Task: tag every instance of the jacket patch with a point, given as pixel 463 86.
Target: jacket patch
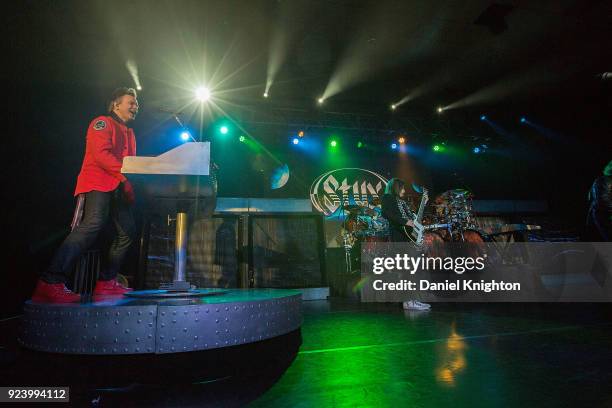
pixel 99 125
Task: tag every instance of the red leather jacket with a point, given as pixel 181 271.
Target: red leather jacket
pixel 109 140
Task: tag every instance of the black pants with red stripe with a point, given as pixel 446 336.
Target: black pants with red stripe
pixel 100 209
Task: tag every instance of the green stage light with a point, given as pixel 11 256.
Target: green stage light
pixel 242 138
pixel 359 145
pixel 224 130
pixel 437 148
pixel 333 143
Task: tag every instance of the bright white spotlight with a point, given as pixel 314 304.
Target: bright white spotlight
pixel 185 136
pixel 265 95
pixel 133 70
pixel 320 100
pixel 439 109
pixel 393 107
pixel 202 93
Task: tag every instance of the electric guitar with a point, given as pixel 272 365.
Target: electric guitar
pixel 415 234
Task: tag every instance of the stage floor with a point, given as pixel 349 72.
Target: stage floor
pixel 473 355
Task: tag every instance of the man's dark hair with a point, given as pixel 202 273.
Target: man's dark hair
pixel 118 94
pixel 394 186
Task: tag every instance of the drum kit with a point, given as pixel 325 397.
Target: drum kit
pixel 364 224
pixel 453 217
pixel 452 221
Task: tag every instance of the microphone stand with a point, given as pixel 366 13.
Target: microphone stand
pixel 179 281
pixel 345 241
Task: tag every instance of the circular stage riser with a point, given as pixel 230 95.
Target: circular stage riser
pixel 158 327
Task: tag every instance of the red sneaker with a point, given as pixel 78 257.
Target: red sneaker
pixel 110 287
pixel 54 293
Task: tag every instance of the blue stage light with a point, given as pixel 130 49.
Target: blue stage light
pixel 394 146
pixel 523 119
pixel 476 150
pixel 185 136
pixel 296 140
pixel 483 117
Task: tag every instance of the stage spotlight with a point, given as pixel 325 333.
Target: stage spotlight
pixel 185 136
pixel 359 145
pixel 224 130
pixel 439 109
pixel 320 101
pixel 476 150
pixel 393 146
pixel 242 138
pixel 296 140
pixel 333 143
pixel 393 107
pixel 133 70
pixel 202 94
pixel 301 133
pixel 483 117
pixel 265 95
pixel 401 140
pixel 523 119
pixel 437 148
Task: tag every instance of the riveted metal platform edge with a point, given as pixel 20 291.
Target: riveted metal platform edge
pixel 147 329
pixel 86 330
pixel 203 327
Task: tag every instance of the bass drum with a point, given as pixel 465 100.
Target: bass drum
pixel 474 243
pixel 433 244
pixel 376 238
pixel 473 236
pixel 354 225
pixel 368 242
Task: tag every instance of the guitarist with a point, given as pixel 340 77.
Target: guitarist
pixel 397 212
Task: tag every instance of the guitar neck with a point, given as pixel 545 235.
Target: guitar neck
pixel 422 206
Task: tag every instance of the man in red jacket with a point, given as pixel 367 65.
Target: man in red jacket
pixel 108 195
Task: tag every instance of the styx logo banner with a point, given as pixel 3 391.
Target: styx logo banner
pixel 343 187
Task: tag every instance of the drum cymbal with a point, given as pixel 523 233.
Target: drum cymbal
pixel 453 194
pixel 460 191
pixel 352 208
pixel 368 211
pixel 358 209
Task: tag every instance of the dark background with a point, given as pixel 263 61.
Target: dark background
pixel 537 59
